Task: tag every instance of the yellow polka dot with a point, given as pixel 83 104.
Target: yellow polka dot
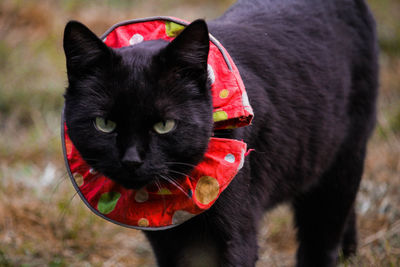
pixel 230 127
pixel 224 93
pixel 143 222
pixel 164 191
pixel 220 116
pixel 78 179
pixel 142 195
pixel 207 189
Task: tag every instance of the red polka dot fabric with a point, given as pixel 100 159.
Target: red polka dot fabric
pixel 231 105
pixel 164 205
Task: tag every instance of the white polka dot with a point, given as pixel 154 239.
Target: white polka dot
pixel 211 73
pixel 181 216
pixel 230 158
pixel 92 171
pixel 141 195
pixel 136 38
pixel 105 39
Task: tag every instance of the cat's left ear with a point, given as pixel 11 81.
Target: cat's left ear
pixel 190 48
pixel 83 49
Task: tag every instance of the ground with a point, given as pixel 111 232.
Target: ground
pixel 42 220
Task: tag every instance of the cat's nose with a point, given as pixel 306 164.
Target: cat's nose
pixel 132 157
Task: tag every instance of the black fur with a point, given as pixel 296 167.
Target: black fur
pixel 136 87
pixel 310 70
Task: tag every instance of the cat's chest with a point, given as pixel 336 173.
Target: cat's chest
pixel 200 254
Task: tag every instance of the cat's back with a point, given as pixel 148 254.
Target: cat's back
pixel 298 49
pixel 307 66
pixel 258 26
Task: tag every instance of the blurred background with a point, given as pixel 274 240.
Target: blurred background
pixel 44 223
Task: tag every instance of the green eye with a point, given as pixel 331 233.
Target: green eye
pixel 164 127
pixel 104 125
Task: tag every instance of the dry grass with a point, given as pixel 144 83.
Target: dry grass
pixel 42 223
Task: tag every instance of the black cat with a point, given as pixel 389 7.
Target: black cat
pixel 310 70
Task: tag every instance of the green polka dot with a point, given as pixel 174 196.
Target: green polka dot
pixel 108 201
pixel 172 29
pixel 220 116
pixel 164 191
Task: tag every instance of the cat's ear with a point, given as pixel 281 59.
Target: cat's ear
pixel 190 48
pixel 83 49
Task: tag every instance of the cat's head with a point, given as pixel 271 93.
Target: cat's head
pixel 141 112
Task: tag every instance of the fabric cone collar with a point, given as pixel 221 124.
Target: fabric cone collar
pixel 160 207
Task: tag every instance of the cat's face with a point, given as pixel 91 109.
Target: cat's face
pixel 142 112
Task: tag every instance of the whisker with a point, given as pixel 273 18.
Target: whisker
pixel 94 159
pixel 61 179
pixel 104 183
pixel 64 211
pixel 157 182
pixel 173 182
pixel 184 174
pixel 180 163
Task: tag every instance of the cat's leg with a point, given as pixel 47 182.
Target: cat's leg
pixel 322 213
pixel 185 246
pixel 225 235
pixel 201 243
pixel 349 241
pixel 234 217
pixel 188 245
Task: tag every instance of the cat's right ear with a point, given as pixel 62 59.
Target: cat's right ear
pixel 189 50
pixel 83 49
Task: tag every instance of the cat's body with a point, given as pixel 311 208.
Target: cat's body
pixel 310 71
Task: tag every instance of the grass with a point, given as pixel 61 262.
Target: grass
pixel 43 222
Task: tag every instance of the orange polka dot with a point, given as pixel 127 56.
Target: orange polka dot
pixel 78 178
pixel 207 189
pixel 68 146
